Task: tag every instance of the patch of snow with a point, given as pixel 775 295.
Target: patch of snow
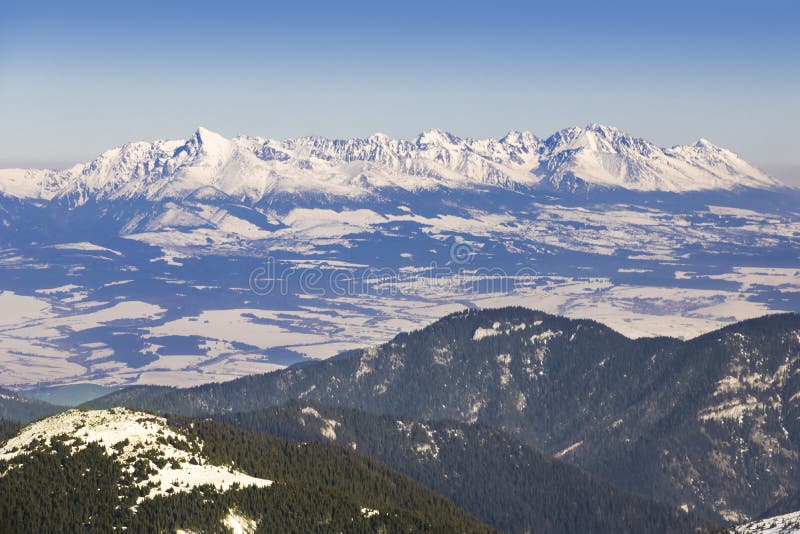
pixel 544 337
pixel 61 289
pixel 481 333
pixel 495 330
pixel 568 450
pixel 367 357
pixel 86 247
pixel 239 524
pixel 328 429
pixel 732 409
pixel 369 512
pixel 504 360
pixel 428 449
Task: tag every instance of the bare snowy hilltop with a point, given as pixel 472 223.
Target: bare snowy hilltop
pixel 203 259
pixel 132 436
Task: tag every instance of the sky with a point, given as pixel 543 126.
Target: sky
pixel 80 77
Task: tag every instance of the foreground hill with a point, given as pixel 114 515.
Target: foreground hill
pixel 682 412
pixel 507 484
pixel 782 524
pixel 111 469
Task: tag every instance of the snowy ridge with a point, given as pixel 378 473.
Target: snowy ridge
pixel 606 156
pixel 129 437
pixel 253 168
pixel 782 524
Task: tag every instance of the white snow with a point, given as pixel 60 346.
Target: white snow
pixel 569 449
pixel 55 290
pixel 369 512
pixel 17 309
pixel 545 336
pixel 732 409
pixel 782 524
pixel 239 524
pixel 87 247
pixel 328 429
pixel 481 333
pixel 504 360
pixel 236 325
pixel 495 330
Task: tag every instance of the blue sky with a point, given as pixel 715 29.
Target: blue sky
pixel 79 77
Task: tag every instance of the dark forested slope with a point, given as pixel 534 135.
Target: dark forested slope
pixel 482 469
pixel 87 477
pixel 682 412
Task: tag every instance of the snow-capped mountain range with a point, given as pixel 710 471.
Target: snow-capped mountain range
pixel 138 267
pixel 252 168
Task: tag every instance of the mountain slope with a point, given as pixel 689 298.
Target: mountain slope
pixel 21 409
pixel 788 505
pixel 252 169
pixel 8 429
pixel 502 481
pixel 68 395
pixel 605 156
pixel 681 411
pixel 114 469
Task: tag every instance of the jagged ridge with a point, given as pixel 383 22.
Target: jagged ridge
pixel 252 168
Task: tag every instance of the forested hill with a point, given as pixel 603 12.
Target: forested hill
pixel 8 429
pixel 504 482
pixel 72 472
pixel 18 408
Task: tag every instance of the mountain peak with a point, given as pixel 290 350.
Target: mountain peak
pixel 211 144
pixel 516 137
pixel 380 137
pixel 436 137
pixel 705 143
pixel 606 132
pixel 603 128
pixel 204 135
